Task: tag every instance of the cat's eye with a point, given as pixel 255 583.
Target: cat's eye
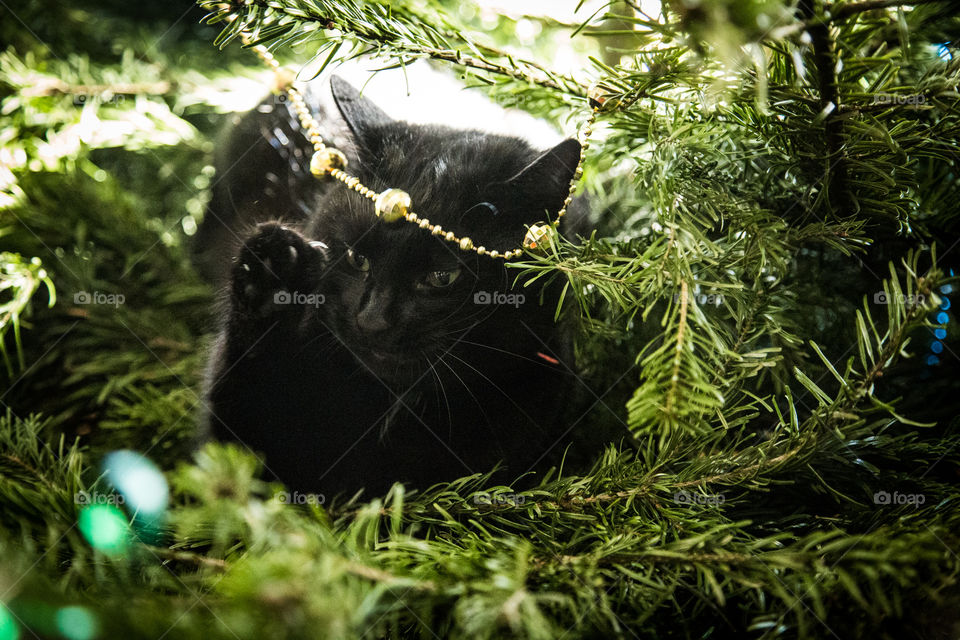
pixel 357 260
pixel 440 279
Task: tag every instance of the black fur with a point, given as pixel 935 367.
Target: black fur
pixel 389 379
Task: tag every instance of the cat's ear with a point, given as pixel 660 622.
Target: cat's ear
pixel 544 183
pixel 360 114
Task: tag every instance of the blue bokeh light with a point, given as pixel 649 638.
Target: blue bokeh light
pixel 139 480
pixel 77 623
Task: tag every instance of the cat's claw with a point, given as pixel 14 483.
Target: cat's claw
pixel 273 264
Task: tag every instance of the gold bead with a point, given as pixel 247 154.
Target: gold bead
pixel 437 230
pixel 424 223
pixel 450 237
pixel 392 204
pixel 481 250
pixel 327 161
pixel 494 253
pixel 466 244
pixel 537 235
pixel 411 217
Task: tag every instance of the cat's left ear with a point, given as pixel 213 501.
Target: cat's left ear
pixel 542 185
pixel 360 114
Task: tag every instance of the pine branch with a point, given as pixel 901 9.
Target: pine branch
pixel 842 11
pixel 20 279
pixel 825 63
pixel 44 86
pixel 375 28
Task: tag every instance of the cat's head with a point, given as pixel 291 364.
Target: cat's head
pixel 398 297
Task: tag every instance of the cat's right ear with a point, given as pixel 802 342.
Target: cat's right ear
pixel 360 114
pixel 543 185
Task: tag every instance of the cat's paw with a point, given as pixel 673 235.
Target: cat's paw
pixel 274 266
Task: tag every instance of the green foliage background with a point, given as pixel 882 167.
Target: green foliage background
pixel 789 161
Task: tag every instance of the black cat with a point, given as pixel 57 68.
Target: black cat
pixel 355 352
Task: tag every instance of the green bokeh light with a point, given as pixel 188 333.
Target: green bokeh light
pixel 105 528
pixel 77 623
pixel 9 629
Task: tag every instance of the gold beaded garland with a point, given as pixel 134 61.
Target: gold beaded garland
pixel 393 205
pixel 326 160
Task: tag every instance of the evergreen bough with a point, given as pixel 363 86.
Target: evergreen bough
pixel 775 189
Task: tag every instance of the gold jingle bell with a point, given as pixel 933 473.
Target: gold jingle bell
pixel 392 205
pixel 537 236
pixel 601 99
pixel 326 160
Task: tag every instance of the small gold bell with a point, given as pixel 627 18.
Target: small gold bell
pixel 537 236
pixel 392 205
pixel 326 160
pixel 601 99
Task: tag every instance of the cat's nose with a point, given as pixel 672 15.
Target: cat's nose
pixel 372 319
pixel 372 323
